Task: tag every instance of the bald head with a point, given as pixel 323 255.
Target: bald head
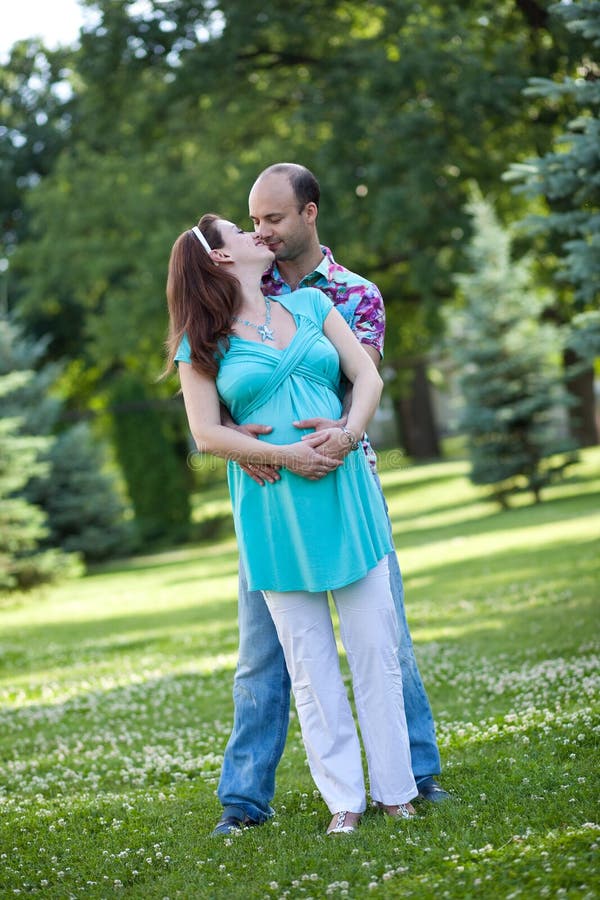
pixel 302 181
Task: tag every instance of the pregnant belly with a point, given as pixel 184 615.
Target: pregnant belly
pixel 281 413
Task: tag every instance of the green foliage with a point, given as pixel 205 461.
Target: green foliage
pixel 80 501
pixel 85 513
pixel 177 109
pixel 174 109
pixel 23 561
pixel 31 399
pixel 35 128
pixel 157 479
pixel 509 370
pixel 584 337
pixel 568 178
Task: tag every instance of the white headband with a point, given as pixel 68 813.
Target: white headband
pixel 201 238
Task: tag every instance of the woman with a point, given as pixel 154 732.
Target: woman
pixel 322 526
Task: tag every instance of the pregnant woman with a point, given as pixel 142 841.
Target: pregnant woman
pixel 322 526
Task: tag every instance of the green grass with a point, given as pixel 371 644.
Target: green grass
pixel 115 705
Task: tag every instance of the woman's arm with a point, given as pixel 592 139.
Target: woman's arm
pixel 203 410
pixel 367 385
pixel 359 368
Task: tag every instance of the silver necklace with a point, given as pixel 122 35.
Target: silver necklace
pixel 266 333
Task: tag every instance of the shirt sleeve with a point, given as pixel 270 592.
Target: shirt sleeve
pixel 369 317
pixel 184 352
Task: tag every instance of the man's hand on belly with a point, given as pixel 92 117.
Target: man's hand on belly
pixel 261 473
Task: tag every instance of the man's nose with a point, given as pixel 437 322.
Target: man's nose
pixel 263 230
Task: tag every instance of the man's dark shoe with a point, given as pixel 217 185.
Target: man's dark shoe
pixel 233 818
pixel 430 790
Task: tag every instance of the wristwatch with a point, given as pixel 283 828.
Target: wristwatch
pixel 351 438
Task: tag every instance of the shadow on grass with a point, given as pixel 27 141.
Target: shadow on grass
pixel 556 567
pixel 418 481
pixel 188 555
pixel 189 631
pixel 562 509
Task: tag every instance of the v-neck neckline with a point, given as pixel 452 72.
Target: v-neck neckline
pixel 267 344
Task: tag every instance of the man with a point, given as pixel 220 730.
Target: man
pixel 284 205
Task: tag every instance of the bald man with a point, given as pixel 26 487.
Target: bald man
pixel 284 206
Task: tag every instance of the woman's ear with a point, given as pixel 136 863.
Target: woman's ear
pixel 221 256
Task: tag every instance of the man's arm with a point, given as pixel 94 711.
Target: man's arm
pixel 259 473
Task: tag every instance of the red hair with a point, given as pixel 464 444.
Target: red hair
pixel 202 298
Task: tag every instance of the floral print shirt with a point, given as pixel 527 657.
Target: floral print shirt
pixel 358 300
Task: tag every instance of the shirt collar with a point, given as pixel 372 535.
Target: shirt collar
pixel 327 268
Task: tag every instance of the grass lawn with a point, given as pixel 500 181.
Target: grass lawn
pixel 115 706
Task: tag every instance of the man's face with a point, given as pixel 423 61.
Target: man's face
pixel 273 207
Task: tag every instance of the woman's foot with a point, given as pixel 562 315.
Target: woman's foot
pixel 343 822
pixel 398 811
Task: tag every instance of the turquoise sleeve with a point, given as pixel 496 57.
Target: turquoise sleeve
pixel 309 302
pixel 322 305
pixel 184 353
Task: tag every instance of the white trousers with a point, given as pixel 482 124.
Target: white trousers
pixel 369 633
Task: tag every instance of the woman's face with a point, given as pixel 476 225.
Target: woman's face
pixel 244 246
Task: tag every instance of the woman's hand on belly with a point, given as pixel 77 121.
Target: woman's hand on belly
pixel 302 459
pixel 331 441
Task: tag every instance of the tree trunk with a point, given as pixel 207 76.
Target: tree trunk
pixel 582 416
pixel 414 413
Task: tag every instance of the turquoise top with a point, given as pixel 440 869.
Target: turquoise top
pixel 298 534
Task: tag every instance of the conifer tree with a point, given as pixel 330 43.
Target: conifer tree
pixel 568 181
pixel 76 497
pixel 85 511
pixel 23 561
pixel 509 367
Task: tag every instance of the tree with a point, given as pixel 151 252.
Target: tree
pixel 24 561
pixel 509 370
pixel 176 109
pixel 85 513
pixel 76 498
pixel 36 120
pixel 567 179
pixel 156 479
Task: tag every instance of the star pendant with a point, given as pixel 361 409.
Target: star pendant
pixel 266 333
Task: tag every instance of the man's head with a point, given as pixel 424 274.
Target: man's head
pixel 284 205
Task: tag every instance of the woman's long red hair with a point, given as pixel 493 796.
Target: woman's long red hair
pixel 202 298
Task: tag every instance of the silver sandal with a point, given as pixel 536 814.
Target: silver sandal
pixel 338 823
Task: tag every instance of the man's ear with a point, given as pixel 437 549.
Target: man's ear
pixel 312 211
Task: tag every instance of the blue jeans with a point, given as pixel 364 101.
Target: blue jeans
pixel 261 696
